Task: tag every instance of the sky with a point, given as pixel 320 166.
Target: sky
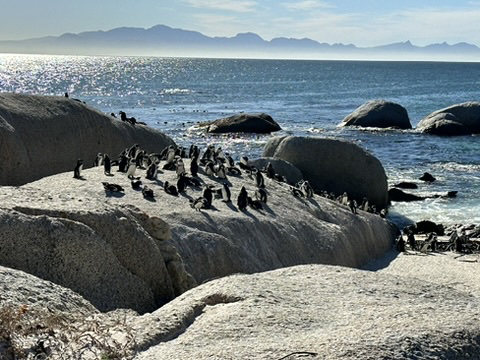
pixel 363 23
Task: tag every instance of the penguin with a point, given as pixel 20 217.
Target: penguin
pixel 98 160
pixel 170 189
pixel 229 160
pixel 190 181
pixel 194 167
pixel 107 166
pixel 270 171
pixel 254 204
pixel 209 169
pixel 232 170
pixel 226 193
pixel 259 180
pixel 132 167
pixel 219 155
pixel 110 187
pixel 198 203
pixel 208 155
pixel 221 172
pixel 244 163
pixel 307 189
pixel 242 199
pixel 344 199
pixel 152 171
pixel 208 196
pixel 123 163
pixel 136 184
pixel 352 204
pixel 180 167
pixel 170 156
pixel 78 169
pixel 296 192
pixel 181 183
pixel 132 152
pixel 261 195
pixel 147 192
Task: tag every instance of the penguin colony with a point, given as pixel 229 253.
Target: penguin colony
pixel 215 164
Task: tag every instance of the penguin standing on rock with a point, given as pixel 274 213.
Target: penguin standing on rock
pixel 132 167
pixel 270 171
pixel 226 193
pixel 242 199
pixel 261 195
pixel 259 180
pixel 208 196
pixel 78 169
pixel 194 167
pixel 170 189
pixel 152 171
pixel 107 166
pixel 147 193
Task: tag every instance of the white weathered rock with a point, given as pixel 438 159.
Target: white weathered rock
pixel 45 135
pixel 421 307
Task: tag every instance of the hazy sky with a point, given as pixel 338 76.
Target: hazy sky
pixel 364 23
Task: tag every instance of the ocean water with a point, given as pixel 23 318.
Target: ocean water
pixel 307 98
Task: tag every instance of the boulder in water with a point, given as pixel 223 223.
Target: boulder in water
pixel 406 185
pixel 427 177
pixel 459 119
pixel 395 194
pixel 379 114
pixel 334 166
pixel 247 123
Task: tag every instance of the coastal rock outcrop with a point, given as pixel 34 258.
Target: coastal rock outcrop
pixel 323 312
pixel 379 114
pixel 108 257
pixel 247 123
pixel 45 135
pixel 335 166
pixel 458 119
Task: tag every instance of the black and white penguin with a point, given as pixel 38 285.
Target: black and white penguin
pixel 232 170
pixel 152 171
pixel 136 184
pixel 226 193
pixel 198 203
pixel 107 166
pixel 110 187
pixel 208 196
pixel 259 180
pixel 270 171
pixel 244 163
pixel 98 160
pixel 209 169
pixel 220 171
pixel 261 195
pixel 170 156
pixel 296 192
pixel 193 182
pixel 123 164
pixel 132 167
pixel 306 189
pixel 219 155
pixel 352 204
pixel 242 199
pixel 229 160
pixel 170 189
pixel 78 169
pixel 181 183
pixel 254 204
pixel 147 192
pixel 180 167
pixel 194 167
pixel 132 152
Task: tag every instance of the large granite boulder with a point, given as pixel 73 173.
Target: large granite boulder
pixel 335 166
pixel 379 114
pixel 114 258
pixel 45 135
pixel 247 123
pixel 459 119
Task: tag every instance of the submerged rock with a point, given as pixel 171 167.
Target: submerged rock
pixel 247 123
pixel 336 166
pixel 45 135
pixel 458 119
pixel 379 114
pixel 395 194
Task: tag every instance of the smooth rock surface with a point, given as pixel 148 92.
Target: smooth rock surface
pixel 247 123
pixel 409 307
pixel 335 166
pixel 379 114
pixel 45 135
pixel 458 119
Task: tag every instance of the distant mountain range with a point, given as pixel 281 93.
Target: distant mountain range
pixel 162 40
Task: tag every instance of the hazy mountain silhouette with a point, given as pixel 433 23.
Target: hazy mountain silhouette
pixel 161 40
